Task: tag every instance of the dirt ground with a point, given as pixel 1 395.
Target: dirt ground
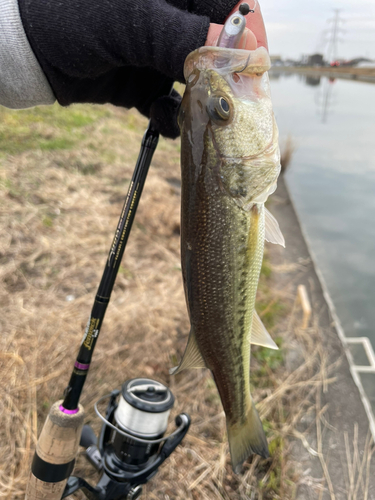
pixel 64 174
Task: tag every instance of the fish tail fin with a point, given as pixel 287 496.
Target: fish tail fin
pixel 246 438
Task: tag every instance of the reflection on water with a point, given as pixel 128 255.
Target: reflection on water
pixel 332 183
pixel 313 81
pixel 325 98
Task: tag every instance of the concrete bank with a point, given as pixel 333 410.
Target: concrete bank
pixel 345 425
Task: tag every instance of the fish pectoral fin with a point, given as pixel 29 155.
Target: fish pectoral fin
pixel 273 233
pixel 259 334
pixel 192 357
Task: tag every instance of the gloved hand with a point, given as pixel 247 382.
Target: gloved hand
pixel 124 52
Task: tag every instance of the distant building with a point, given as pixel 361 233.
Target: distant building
pixel 290 62
pixel 276 60
pixel 274 57
pixel 355 62
pixel 315 60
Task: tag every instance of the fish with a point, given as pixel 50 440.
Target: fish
pixel 230 162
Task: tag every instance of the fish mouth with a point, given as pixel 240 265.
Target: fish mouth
pixel 227 61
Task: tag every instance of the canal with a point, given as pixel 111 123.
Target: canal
pixel 331 180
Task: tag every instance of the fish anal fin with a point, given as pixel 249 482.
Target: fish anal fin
pixel 246 438
pixel 259 335
pixel 273 233
pixel 192 357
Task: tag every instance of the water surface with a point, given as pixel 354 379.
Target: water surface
pixel 332 183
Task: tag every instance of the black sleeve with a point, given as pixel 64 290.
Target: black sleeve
pixel 87 38
pixel 125 52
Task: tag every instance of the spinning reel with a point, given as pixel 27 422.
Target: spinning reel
pixel 129 449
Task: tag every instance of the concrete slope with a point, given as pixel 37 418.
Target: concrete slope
pixel 344 425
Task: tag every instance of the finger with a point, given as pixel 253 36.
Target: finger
pixel 247 42
pixel 254 21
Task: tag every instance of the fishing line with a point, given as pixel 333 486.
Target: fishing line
pixel 132 436
pixel 255 6
pixel 245 65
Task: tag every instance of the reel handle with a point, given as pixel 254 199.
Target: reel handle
pixel 55 453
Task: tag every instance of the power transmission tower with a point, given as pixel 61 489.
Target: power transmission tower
pixel 334 32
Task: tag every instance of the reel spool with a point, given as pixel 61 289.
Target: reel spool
pixel 142 414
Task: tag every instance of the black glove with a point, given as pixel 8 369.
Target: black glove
pixel 125 52
pixel 216 10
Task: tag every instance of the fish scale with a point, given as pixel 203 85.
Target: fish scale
pixel 216 302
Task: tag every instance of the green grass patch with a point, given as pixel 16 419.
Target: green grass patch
pixel 45 127
pixel 277 483
pixel 69 118
pixel 126 272
pixel 47 221
pixel 10 187
pixel 271 311
pixel 211 394
pixel 270 357
pixel 267 360
pixel 266 269
pixel 55 143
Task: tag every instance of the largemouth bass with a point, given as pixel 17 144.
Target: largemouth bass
pixel 230 162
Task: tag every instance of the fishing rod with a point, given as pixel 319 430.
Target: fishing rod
pixel 129 449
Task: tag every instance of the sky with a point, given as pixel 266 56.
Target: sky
pixel 296 27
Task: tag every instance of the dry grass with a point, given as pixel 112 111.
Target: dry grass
pixel 287 150
pixel 58 211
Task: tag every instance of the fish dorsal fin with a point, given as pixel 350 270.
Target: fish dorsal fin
pixel 192 357
pixel 259 334
pixel 273 233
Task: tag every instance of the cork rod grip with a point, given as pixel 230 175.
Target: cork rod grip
pixel 55 454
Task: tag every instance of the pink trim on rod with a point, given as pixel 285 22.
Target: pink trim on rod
pixel 68 412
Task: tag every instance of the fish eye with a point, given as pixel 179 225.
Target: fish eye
pixel 219 108
pixel 224 106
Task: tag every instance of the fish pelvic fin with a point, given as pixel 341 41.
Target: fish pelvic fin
pixel 273 232
pixel 246 438
pixel 259 334
pixel 192 357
